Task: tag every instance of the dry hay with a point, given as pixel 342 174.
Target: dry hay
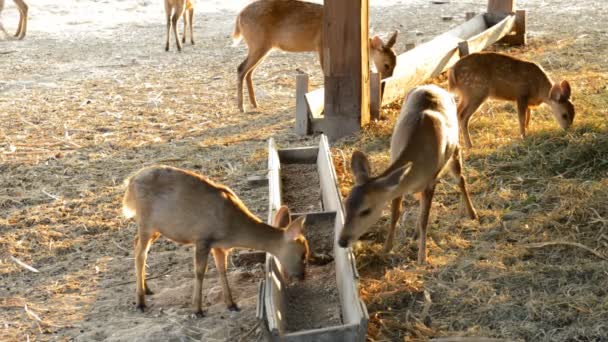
pixel 535 268
pixel 82 109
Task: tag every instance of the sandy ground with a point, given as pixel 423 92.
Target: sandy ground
pixel 90 96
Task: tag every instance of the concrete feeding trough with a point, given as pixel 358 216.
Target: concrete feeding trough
pixel 326 306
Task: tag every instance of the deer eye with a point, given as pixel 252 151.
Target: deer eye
pixel 365 212
pixel 386 66
pixel 565 116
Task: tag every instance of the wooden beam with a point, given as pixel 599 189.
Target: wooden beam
pixel 302 118
pixel 498 9
pixel 428 59
pixel 519 36
pixel 491 35
pixel 346 66
pixel 315 100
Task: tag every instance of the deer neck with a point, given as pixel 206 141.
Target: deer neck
pixel 258 235
pixel 544 90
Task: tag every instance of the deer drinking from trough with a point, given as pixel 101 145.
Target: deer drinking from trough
pixel 424 145
pixel 191 209
pixel 174 10
pixel 292 26
pixel 479 76
pixel 22 28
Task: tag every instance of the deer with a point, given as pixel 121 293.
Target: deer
pixel 22 28
pixel 174 10
pixel 291 26
pixel 484 75
pixel 424 145
pixel 188 208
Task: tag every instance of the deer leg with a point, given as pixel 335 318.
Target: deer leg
pixel 201 254
pixel 22 28
pixel 395 212
pixel 462 183
pixel 142 243
pixel 527 117
pixel 168 13
pixel 245 69
pixel 178 13
pixel 425 208
pixel 185 28
pixel 220 256
pixel 522 110
pixel 465 111
pixel 191 21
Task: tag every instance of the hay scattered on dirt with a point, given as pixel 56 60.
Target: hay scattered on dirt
pixel 535 268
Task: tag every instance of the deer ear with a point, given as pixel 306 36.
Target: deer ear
pixel 359 165
pixel 391 181
pixel 556 92
pixel 392 40
pixel 295 228
pixel 282 218
pixel 376 43
pixel 565 88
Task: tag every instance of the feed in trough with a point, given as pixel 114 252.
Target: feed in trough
pixel 301 189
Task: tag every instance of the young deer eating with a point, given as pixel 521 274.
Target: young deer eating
pixel 479 76
pixel 22 28
pixel 191 209
pixel 293 26
pixel 424 145
pixel 174 10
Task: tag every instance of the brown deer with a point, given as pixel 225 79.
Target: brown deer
pixel 424 145
pixel 174 10
pixel 22 28
pixel 292 26
pixel 191 209
pixel 479 76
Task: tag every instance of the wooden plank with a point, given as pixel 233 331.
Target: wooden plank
pixel 346 66
pixel 429 59
pixel 519 36
pixel 346 277
pixel 374 95
pixel 259 307
pixel 272 299
pixel 491 35
pixel 302 117
pixel 298 155
pixel 315 101
pixel 463 49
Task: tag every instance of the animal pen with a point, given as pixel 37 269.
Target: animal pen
pixel 353 96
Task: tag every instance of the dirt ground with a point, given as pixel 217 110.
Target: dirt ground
pixel 90 96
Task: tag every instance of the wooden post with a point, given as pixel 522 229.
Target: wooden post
pixel 375 95
pixel 498 9
pixel 463 48
pixel 345 66
pixel 518 37
pixel 302 118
